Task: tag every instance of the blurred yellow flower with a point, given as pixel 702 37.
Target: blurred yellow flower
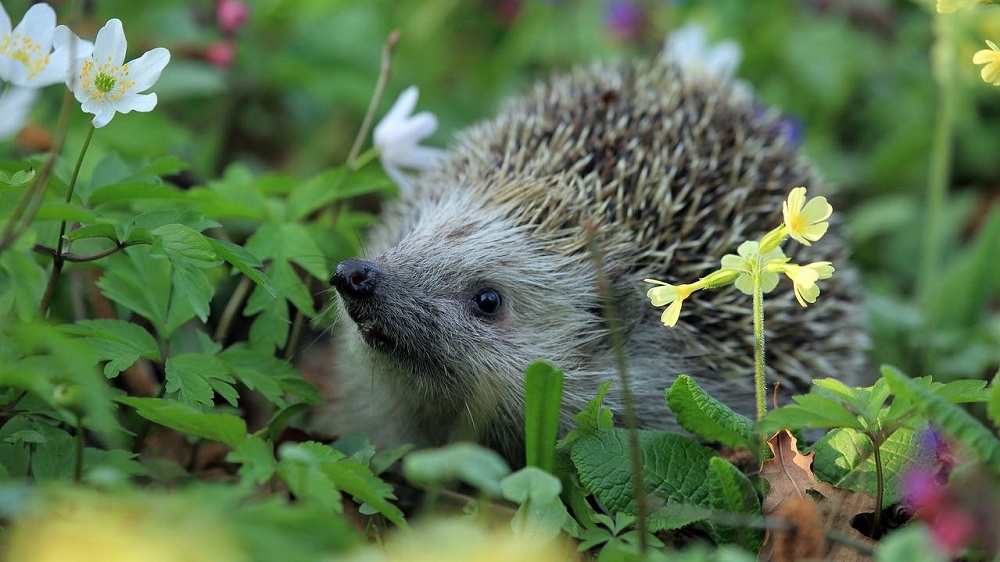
pixel 805 221
pixel 952 6
pixel 804 278
pixel 673 295
pixel 991 58
pixel 91 527
pixel 460 540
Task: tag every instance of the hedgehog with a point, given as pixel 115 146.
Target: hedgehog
pixel 483 266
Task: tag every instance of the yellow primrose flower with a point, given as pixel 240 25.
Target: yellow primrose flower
pixel 748 261
pixel 804 278
pixel 805 221
pixel 991 58
pixel 673 295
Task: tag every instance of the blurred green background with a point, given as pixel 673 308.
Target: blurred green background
pixel 853 76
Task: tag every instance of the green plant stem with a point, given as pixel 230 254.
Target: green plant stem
pixel 59 259
pixel 758 348
pixel 879 481
pixel 631 421
pixel 383 77
pixel 943 63
pixel 233 306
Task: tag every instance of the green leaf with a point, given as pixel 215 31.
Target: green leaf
pixel 357 479
pixel 730 491
pixel 300 467
pixel 142 284
pixel 843 457
pixel 256 459
pixel 22 282
pixel 194 377
pixel 810 410
pixel 330 186
pixel 224 428
pixel 164 166
pixel 118 342
pixel 673 466
pixel 993 405
pixel 594 417
pixel 258 370
pixel 184 245
pixel 543 386
pixel 60 211
pixel 708 418
pixel 541 514
pixel 243 261
pixel 129 192
pixel 953 420
pixel 101 230
pixel 473 464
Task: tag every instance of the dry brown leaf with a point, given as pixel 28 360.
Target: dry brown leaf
pixel 790 475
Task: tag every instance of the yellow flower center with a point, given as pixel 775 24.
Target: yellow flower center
pixel 108 82
pixel 26 52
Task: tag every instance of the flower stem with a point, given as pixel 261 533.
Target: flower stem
pixel 383 77
pixel 758 348
pixel 943 63
pixel 879 482
pixel 59 259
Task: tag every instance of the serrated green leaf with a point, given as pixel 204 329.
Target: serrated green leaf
pixel 258 370
pixel 256 459
pixel 809 410
pixel 243 261
pixel 594 417
pixel 194 377
pixel 706 417
pixel 543 386
pixel 730 491
pixel 300 467
pixel 674 467
pixel 952 419
pixel 961 391
pixel 22 282
pixel 224 428
pixel 840 390
pixel 269 330
pixel 191 286
pixel 357 479
pixel 118 342
pixel 843 457
pixel 184 245
pixel 473 464
pixel 290 286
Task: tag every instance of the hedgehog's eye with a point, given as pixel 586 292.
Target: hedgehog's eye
pixel 486 302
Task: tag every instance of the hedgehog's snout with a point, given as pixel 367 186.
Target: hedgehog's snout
pixel 356 279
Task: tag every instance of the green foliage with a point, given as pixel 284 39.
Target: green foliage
pixel 542 401
pixel 472 464
pixel 708 418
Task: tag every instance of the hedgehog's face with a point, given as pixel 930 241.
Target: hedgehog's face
pixel 458 303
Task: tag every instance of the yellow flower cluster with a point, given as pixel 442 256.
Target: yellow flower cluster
pixel 805 221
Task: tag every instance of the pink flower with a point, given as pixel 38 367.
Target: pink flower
pixel 221 53
pixel 231 14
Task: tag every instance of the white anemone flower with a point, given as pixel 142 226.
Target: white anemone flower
pixel 397 138
pixel 689 47
pixel 15 104
pixel 104 84
pixel 26 55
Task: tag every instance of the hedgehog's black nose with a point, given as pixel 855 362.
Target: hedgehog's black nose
pixel 356 278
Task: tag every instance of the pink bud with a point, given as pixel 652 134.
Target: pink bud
pixel 221 54
pixel 232 14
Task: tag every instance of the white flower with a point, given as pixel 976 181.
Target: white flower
pixel 688 46
pixel 15 104
pixel 26 56
pixel 397 138
pixel 104 84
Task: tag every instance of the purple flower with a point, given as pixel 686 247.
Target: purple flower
pixel 624 18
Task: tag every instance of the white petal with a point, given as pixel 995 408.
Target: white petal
pixel 38 24
pixel 397 176
pixel 102 116
pixel 418 157
pixel 15 104
pixel 399 111
pixel 110 44
pixel 723 59
pixel 411 130
pixel 145 70
pixel 687 43
pixel 136 102
pixel 68 48
pixel 4 22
